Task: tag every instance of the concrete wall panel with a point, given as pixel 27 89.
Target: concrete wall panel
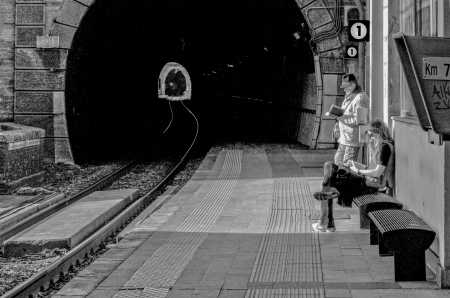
pixel 26 36
pixel 420 177
pixel 41 58
pixel 42 121
pixel 39 102
pixel 331 84
pixel 7 27
pixel 329 44
pixel 309 96
pixel 65 34
pixel 326 131
pixel 39 80
pixel 30 14
pixel 305 135
pixel 332 65
pixel 7 12
pixel 328 27
pixel 54 125
pixel 72 13
pixel 58 149
pixel 303 3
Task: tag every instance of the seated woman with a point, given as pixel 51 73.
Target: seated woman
pixel 357 179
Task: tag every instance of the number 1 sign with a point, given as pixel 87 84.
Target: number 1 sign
pixel 358 30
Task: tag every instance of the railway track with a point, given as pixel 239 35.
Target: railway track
pixel 44 213
pixel 46 278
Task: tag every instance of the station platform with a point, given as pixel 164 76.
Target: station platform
pixel 241 227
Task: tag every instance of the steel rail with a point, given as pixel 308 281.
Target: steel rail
pixel 44 279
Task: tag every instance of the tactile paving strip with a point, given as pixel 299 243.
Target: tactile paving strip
pixel 155 293
pixel 284 293
pixel 289 252
pixel 292 194
pixel 145 293
pixel 289 221
pixel 164 267
pixel 128 294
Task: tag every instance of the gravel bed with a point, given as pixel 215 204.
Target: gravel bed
pixel 70 179
pixel 144 176
pixel 61 178
pixel 16 270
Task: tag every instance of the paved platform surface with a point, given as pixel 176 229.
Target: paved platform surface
pixel 71 225
pixel 241 227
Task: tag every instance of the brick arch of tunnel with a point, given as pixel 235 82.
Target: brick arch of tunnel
pixel 314 128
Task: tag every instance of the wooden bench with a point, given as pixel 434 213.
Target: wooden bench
pixel 373 202
pixel 407 236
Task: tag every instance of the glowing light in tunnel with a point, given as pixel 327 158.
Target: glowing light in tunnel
pixel 174 82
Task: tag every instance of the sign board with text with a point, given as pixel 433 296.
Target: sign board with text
pixel 426 65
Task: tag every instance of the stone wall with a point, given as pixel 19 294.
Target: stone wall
pixel 40 76
pixel 7 20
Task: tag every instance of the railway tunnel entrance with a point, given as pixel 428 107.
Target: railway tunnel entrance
pixel 251 64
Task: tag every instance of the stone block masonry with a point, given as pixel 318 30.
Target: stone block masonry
pixel 39 75
pixel 7 19
pixel 20 154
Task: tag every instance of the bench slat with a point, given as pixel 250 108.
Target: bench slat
pixel 372 202
pixel 395 219
pixel 373 197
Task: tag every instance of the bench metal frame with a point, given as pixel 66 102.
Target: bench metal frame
pixel 406 236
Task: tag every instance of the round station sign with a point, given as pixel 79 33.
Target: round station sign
pixel 351 52
pixel 358 30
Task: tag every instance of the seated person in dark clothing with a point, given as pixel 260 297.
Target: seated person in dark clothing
pixel 346 183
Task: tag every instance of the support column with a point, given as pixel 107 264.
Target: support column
pixel 391 61
pixel 444 278
pixel 376 60
pixel 385 60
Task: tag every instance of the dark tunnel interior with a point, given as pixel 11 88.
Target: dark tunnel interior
pixel 244 58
